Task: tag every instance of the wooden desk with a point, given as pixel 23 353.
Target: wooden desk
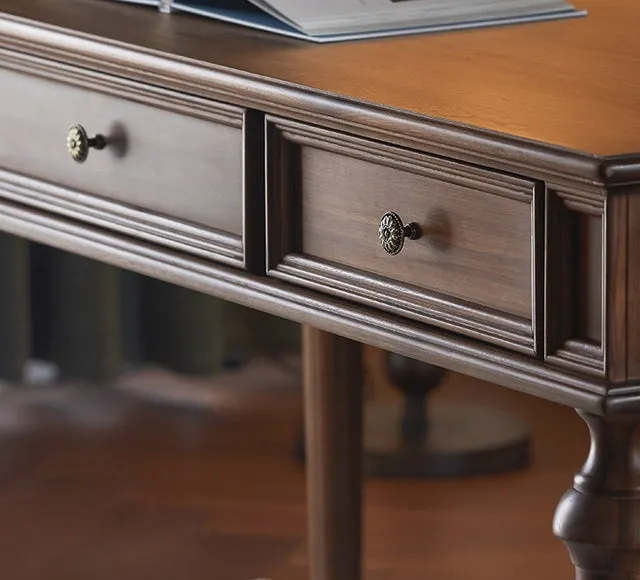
pixel 258 169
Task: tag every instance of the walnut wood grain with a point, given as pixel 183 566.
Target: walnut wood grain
pixel 327 192
pixel 333 383
pixel 152 48
pixel 467 77
pixel 623 302
pixel 622 318
pixel 162 148
pixel 468 226
pixel 122 218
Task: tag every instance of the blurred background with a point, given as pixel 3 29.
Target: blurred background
pixel 147 431
pixel 93 321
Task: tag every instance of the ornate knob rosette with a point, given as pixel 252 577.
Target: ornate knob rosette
pixel 392 233
pixel 79 143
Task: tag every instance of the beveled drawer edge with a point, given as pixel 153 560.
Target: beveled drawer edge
pixel 575 200
pixel 520 334
pixel 247 121
pixel 119 87
pixel 562 347
pixel 580 356
pixel 442 169
pixel 122 218
pixel 428 307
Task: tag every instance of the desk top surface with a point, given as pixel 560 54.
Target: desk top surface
pixel 571 83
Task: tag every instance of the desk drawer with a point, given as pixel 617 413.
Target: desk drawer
pixel 472 270
pixel 172 168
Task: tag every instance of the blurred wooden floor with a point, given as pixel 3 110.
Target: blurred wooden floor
pixel 215 496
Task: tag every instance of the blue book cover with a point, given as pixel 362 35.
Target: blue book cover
pixel 261 15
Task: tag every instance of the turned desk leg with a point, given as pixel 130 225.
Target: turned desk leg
pixel 333 422
pixel 599 518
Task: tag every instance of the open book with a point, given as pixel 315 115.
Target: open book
pixel 335 20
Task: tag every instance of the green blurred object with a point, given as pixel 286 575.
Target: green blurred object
pixel 93 320
pixel 85 327
pixel 183 329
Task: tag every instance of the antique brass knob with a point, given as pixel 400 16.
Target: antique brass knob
pixel 79 143
pixel 392 232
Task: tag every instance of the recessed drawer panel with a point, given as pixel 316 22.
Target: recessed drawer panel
pixel 343 212
pixel 171 167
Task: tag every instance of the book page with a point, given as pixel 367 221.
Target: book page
pixel 347 16
pixel 269 9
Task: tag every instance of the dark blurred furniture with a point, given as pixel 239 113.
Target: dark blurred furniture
pixel 422 436
pixel 470 200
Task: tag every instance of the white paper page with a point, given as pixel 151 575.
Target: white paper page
pixel 269 9
pixel 319 17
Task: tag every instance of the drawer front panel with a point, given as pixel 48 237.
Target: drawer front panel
pixel 471 270
pixel 167 155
